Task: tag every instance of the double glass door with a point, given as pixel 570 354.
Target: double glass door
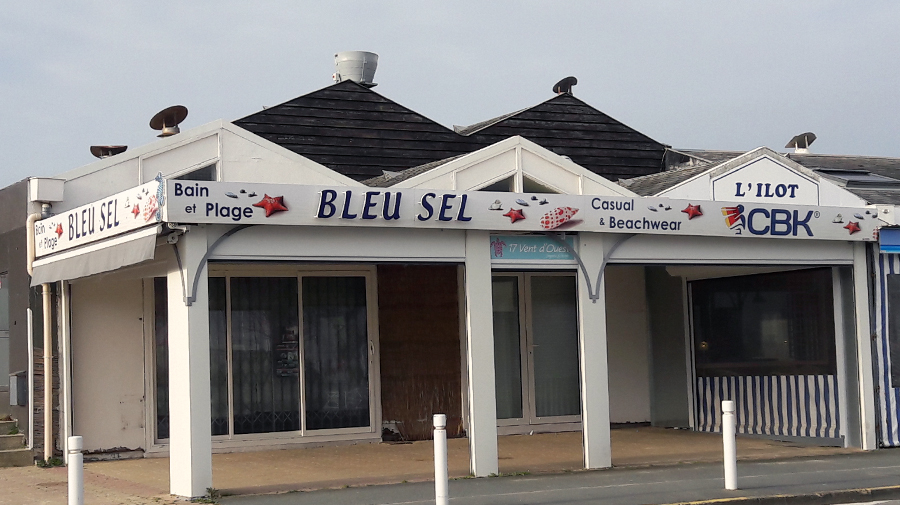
pixel 536 348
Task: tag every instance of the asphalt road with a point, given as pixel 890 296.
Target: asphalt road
pixel 655 485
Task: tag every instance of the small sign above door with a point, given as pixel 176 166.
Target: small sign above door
pixel 531 248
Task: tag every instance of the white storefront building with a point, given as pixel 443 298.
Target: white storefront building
pixel 221 293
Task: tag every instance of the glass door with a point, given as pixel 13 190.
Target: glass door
pixel 536 348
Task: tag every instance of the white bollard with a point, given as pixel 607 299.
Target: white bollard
pixel 441 475
pixel 75 462
pixel 729 444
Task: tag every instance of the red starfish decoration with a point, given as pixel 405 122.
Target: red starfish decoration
pixel 136 210
pixel 853 227
pixel 692 211
pixel 272 204
pixel 514 215
pixel 59 230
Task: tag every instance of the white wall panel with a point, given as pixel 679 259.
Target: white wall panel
pixel 108 363
pixel 627 338
pixel 195 154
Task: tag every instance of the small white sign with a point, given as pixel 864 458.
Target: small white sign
pixel 766 181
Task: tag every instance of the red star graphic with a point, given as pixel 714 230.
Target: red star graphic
pixel 514 215
pixel 272 204
pixel 853 227
pixel 59 230
pixel 692 211
pixel 136 210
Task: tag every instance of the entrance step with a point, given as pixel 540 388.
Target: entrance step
pixel 12 447
pixel 8 442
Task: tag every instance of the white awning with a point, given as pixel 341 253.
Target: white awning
pixel 110 254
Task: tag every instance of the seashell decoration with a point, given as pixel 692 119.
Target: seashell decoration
pixel 557 217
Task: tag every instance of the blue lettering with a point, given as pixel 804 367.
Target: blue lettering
pixel 462 210
pixel 369 204
pixel 346 213
pixel 326 201
pixel 429 209
pixel 804 223
pixel 738 191
pixel 445 206
pixel 750 217
pixel 395 214
pixel 786 221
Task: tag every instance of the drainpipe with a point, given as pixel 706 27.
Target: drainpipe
pixel 48 340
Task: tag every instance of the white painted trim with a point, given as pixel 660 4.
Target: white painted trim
pixel 65 367
pixel 864 348
pixel 690 368
pixel 29 322
pixel 840 353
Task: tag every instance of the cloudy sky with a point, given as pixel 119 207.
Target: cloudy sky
pixel 704 74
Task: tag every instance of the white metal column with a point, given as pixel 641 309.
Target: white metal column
pixel 483 457
pixel 592 356
pixel 190 446
pixel 864 347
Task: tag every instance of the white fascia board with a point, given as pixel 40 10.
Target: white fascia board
pixel 152 148
pixel 291 155
pixel 503 146
pixel 194 134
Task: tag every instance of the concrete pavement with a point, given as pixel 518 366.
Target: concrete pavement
pixel 832 479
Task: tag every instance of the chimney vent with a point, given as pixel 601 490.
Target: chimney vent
pixel 356 66
pixel 167 120
pixel 801 142
pixel 107 151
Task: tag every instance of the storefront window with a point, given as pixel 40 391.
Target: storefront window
pixel 770 324
pixel 259 358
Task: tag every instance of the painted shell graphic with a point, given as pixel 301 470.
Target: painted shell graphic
pixel 557 216
pixel 150 207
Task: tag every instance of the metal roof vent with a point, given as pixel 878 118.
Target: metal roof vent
pixel 565 85
pixel 801 142
pixel 167 120
pixel 356 66
pixel 107 151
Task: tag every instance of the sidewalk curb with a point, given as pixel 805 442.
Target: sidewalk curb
pixel 823 498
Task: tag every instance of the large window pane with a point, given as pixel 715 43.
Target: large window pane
pixel 218 356
pixel 335 345
pixel 507 355
pixel 264 324
pixel 769 324
pixel 554 321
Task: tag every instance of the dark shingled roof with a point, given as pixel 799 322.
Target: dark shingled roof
pixel 359 133
pixel 356 132
pixel 388 180
pixel 652 184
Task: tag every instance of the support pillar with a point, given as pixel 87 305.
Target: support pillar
pixel 864 347
pixel 483 457
pixel 592 357
pixel 190 446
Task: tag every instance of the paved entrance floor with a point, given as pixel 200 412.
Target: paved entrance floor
pixel 143 481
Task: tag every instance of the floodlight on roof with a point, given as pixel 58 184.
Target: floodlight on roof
pixel 167 120
pixel 801 142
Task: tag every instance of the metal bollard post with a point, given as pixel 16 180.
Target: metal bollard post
pixel 441 495
pixel 729 444
pixel 75 462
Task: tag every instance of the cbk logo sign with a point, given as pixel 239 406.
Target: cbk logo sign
pixel 776 222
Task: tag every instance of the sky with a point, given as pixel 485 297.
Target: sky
pixel 730 75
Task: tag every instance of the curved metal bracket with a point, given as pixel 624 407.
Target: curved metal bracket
pixel 593 294
pixel 190 298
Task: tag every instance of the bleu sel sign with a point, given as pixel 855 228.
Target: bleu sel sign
pixel 531 248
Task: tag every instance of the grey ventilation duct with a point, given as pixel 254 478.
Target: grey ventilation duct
pixel 356 66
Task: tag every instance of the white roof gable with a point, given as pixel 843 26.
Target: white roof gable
pixel 762 175
pixel 240 156
pixel 519 159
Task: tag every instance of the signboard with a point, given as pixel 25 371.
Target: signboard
pixel 119 213
pixel 300 205
pixel 531 248
pixel 766 181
